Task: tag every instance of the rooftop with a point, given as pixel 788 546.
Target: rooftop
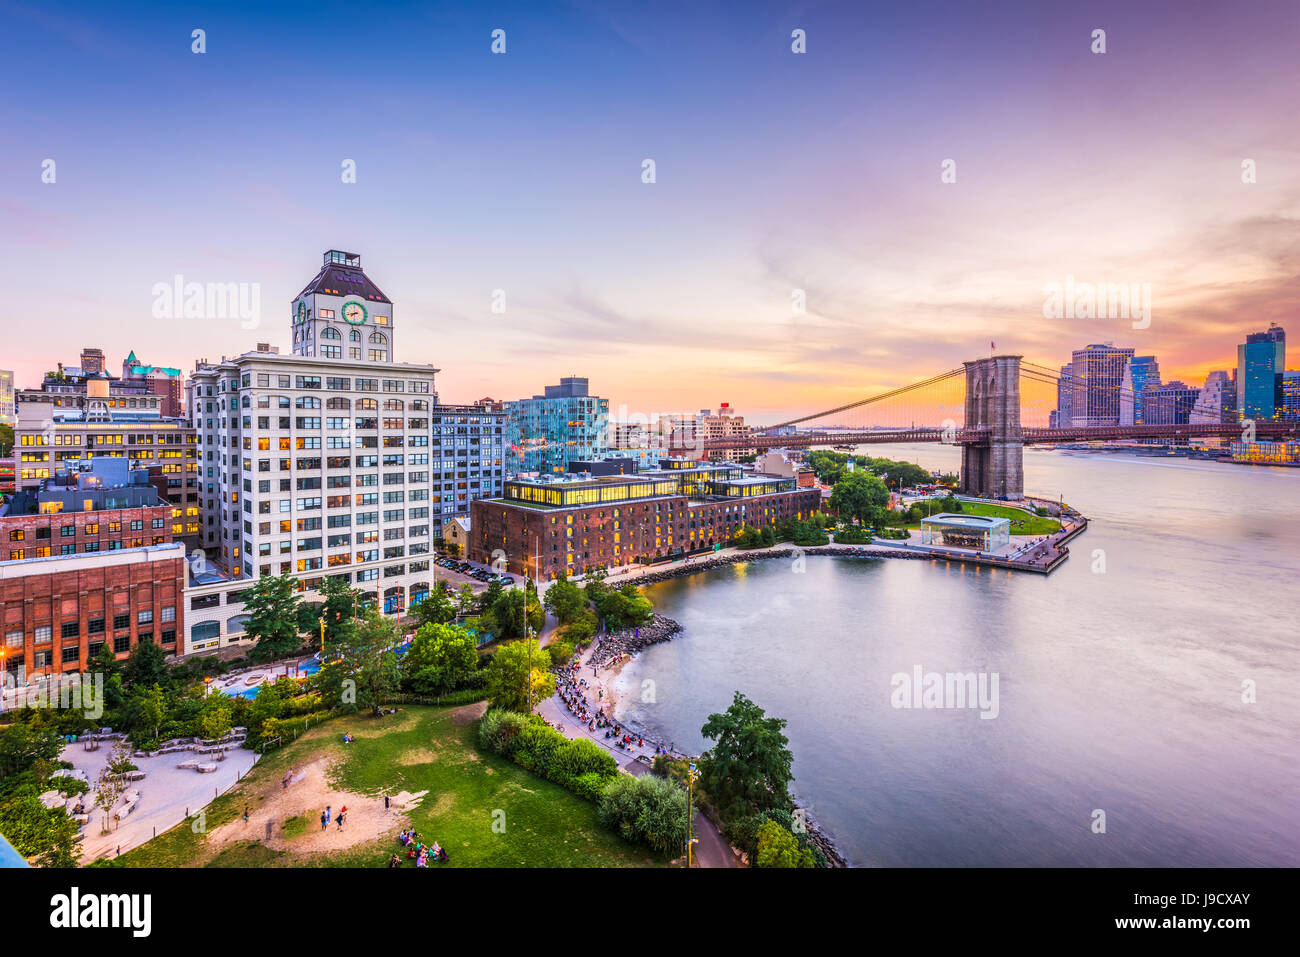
pixel 959 520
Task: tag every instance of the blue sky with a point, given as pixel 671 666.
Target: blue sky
pixel 775 171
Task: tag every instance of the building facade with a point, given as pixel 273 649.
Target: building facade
pixel 58 611
pixel 577 523
pixel 1098 374
pixel 468 446
pixel 1261 360
pixel 565 422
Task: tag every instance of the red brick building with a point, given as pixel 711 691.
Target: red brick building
pixel 79 533
pixel 55 612
pixel 542 528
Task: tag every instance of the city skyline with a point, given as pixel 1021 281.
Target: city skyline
pixel 832 186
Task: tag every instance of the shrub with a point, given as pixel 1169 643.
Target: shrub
pixel 646 810
pixel 853 535
pixel 580 766
pixel 499 731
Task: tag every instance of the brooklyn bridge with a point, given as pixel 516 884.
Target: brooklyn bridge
pixel 990 431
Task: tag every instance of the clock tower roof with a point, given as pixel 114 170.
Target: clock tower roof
pixel 341 275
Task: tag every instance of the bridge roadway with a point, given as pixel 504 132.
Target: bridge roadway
pixel 1271 431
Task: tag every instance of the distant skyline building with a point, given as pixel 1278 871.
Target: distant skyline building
pixel 1141 373
pixel 565 422
pixel 8 409
pixel 1097 377
pixel 1291 395
pixel 1169 404
pixel 1217 403
pixel 1261 360
pixel 169 383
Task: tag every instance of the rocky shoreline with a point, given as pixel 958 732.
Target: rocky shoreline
pixel 629 641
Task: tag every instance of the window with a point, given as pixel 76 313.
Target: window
pixel 43 633
pixel 122 643
pixel 121 621
pixel 70 629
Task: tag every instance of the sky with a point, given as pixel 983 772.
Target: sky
pixel 778 176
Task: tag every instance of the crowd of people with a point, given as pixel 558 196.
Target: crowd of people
pixel 417 850
pixel 573 689
pixel 328 814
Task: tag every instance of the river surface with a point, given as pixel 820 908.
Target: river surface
pixel 1121 678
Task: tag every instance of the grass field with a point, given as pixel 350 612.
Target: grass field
pixel 421 749
pixel 1022 522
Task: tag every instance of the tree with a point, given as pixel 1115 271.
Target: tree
pixel 368 659
pixel 860 496
pixel 146 666
pixel 104 662
pixel 508 613
pixel 36 831
pixel 441 658
pixel 565 600
pixel 21 746
pixel 749 769
pixel 482 603
pixel 110 784
pixel 437 609
pixel 214 720
pixel 338 602
pixel 777 847
pixel 153 709
pixel 509 678
pixel 272 607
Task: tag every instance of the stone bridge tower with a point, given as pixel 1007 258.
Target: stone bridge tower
pixel 994 467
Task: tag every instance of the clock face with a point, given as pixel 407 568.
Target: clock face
pixel 302 311
pixel 354 313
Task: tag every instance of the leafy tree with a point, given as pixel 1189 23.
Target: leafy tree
pixel 36 831
pixel 373 659
pixel 749 769
pixel 6 439
pixel 153 709
pixel 21 746
pixel 777 847
pixel 146 666
pixel 272 606
pixel 339 601
pixel 508 613
pixel 565 600
pixel 509 678
pixel 214 721
pixel 441 658
pixel 437 609
pixel 483 603
pixel 860 496
pixel 104 662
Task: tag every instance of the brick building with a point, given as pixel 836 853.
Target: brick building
pixel 577 523
pixel 100 506
pixel 56 612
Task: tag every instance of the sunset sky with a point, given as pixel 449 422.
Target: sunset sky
pixel 775 171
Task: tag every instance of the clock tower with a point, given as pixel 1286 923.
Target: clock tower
pixel 341 314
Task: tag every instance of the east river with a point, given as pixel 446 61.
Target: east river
pixel 1121 678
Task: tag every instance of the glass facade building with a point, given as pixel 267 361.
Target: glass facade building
pixel 1261 360
pixel 564 423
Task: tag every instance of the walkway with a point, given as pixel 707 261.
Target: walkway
pixel 712 849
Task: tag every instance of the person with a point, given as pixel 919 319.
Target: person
pixel 385 802
pixel 395 861
pixel 324 820
pixel 245 817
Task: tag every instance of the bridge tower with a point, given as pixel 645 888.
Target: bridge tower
pixel 994 467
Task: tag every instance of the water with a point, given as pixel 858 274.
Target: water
pixel 1119 690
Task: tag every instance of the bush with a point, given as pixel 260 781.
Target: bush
pixel 647 810
pixel 854 535
pixel 499 731
pixel 1041 512
pixel 580 766
pixel 561 652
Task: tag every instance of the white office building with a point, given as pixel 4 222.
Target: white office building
pixel 335 460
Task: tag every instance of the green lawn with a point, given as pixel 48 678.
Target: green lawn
pixel 1022 522
pixel 421 748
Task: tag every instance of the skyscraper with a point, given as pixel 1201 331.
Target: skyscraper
pixel 1097 375
pixel 1261 360
pixel 1141 374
